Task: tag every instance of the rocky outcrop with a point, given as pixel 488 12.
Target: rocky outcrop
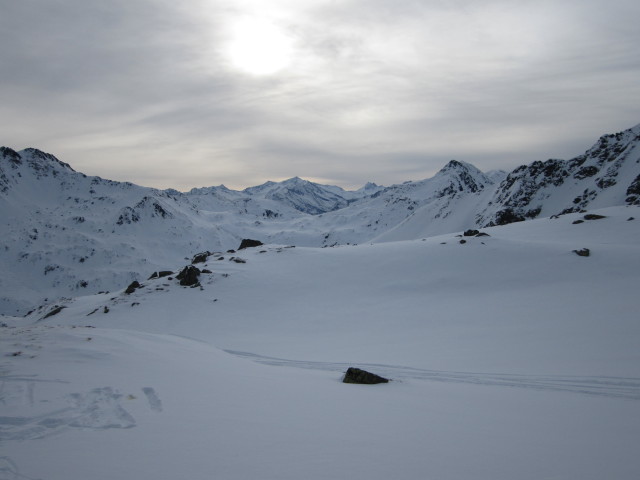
pixel 133 286
pixel 160 274
pixel 188 276
pixel 633 192
pixel 567 186
pixel 200 257
pixel 248 243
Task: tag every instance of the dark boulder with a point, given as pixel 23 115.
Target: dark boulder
pixel 356 375
pixel 248 243
pixel 471 233
pixel 54 311
pixel 200 257
pixel 584 252
pixel 188 276
pixel 593 216
pixel 133 286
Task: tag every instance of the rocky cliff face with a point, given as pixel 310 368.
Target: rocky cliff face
pixel 607 174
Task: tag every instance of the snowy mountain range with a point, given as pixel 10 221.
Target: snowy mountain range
pixel 511 346
pixel 66 234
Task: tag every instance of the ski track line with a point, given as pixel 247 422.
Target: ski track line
pixel 619 387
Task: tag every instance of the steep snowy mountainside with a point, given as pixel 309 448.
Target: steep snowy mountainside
pixel 64 233
pixel 436 205
pixel 607 174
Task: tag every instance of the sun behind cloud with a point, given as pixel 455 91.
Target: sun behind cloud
pixel 259 47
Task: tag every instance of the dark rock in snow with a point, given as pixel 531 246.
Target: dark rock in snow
pixel 584 252
pixel 471 233
pixel 200 257
pixel 248 243
pixel 633 192
pixel 56 310
pixel 204 270
pixel 356 375
pixel 506 216
pixel 133 286
pixel 462 241
pixel 577 222
pixel 188 276
pixel 483 234
pixel 593 216
pixel 160 274
pixel 237 260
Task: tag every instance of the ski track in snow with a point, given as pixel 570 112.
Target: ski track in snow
pixel 619 387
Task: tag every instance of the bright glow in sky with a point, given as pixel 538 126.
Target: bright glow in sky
pixel 176 94
pixel 259 47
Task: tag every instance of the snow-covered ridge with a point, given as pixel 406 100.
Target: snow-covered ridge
pixel 65 233
pixel 606 174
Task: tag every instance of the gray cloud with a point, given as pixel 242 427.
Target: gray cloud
pixel 144 90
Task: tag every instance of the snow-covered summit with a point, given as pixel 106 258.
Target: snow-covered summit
pixel 303 195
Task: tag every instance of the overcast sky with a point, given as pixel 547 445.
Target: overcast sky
pixel 202 92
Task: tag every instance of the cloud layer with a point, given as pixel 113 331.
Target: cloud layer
pixel 149 91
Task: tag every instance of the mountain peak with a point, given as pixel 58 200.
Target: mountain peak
pixel 295 181
pixel 43 159
pixel 458 165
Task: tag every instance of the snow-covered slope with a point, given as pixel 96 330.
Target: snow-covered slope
pixel 66 234
pixel 605 175
pixel 511 357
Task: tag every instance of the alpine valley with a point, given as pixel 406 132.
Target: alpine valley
pixel 143 337
pixel 66 234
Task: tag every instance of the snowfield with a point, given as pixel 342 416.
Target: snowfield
pixel 512 357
